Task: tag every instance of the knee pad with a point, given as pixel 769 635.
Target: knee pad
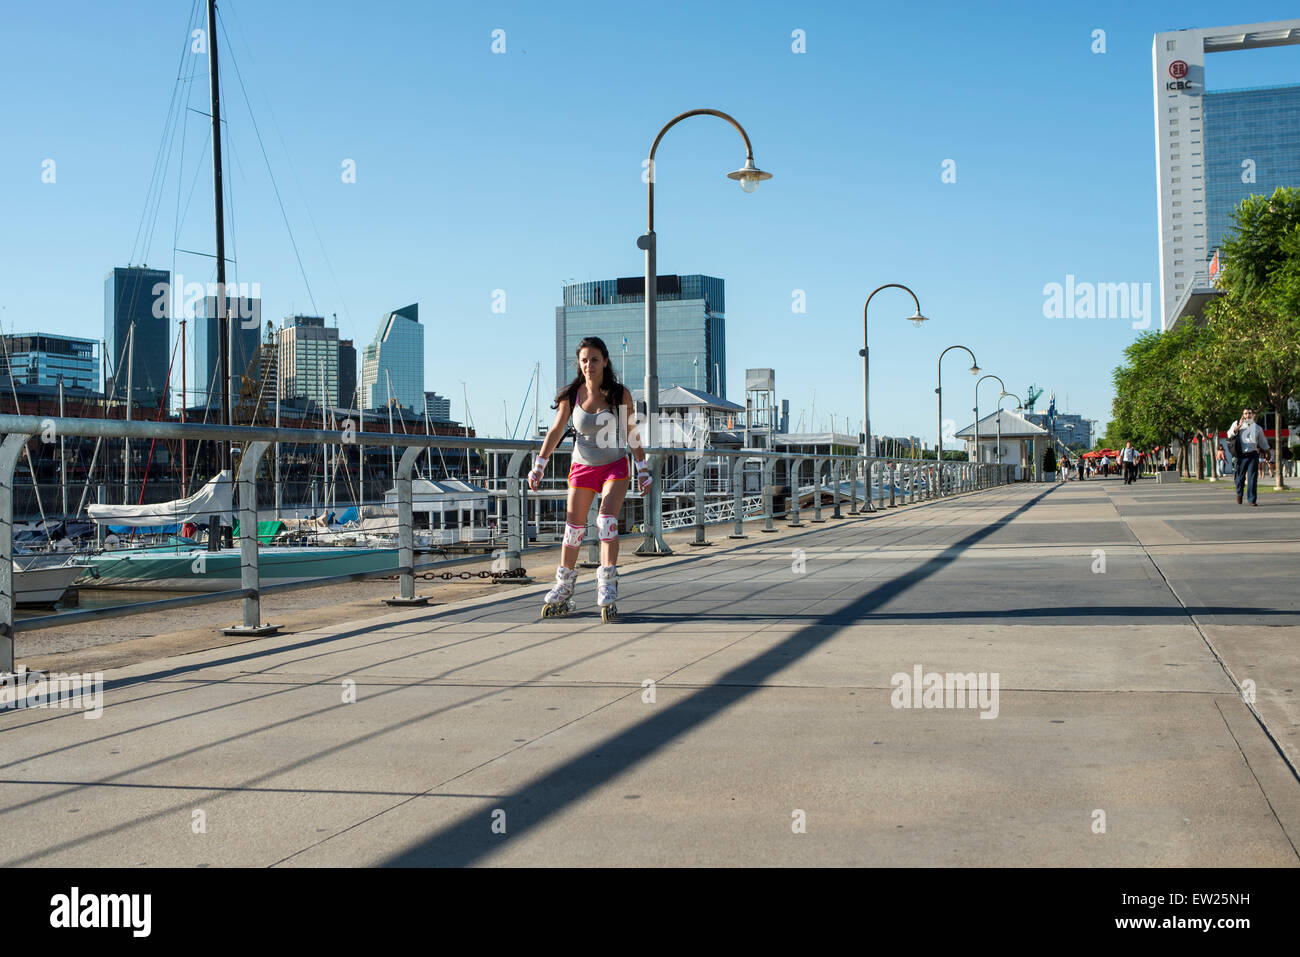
pixel 607 527
pixel 573 534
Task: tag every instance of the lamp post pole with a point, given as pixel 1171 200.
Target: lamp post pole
pixel 865 352
pixel 1019 405
pixel 975 370
pixel 977 410
pixel 749 176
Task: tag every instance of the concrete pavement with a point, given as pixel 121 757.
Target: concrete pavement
pixel 743 712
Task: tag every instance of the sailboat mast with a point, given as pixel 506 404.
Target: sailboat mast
pixel 223 320
pixel 184 399
pixel 130 390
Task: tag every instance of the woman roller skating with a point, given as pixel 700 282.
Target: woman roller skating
pixel 603 417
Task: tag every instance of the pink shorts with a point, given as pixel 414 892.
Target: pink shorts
pixel 595 477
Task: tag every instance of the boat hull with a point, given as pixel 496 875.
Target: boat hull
pixel 40 586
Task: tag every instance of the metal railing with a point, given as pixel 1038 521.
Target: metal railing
pixel 901 482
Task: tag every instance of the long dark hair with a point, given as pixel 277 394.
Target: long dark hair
pixel 610 387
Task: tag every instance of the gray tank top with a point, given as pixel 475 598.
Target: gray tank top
pixel 598 440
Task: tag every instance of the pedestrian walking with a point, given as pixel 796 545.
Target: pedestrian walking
pixel 1221 462
pixel 1129 459
pixel 1250 442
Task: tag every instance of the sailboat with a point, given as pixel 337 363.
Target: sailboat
pixel 183 565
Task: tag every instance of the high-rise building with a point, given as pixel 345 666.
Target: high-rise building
pixel 439 407
pixel 393 364
pixel 1213 150
pixel 690 329
pixel 245 318
pixel 139 296
pixel 309 361
pixel 43 359
pixel 347 373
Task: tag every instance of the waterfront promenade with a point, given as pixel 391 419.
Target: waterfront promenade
pixel 1123 624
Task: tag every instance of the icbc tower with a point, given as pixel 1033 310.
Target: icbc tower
pixel 1213 149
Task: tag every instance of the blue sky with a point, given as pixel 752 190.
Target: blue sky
pixel 518 171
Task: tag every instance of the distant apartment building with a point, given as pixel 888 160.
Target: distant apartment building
pixel 393 363
pixel 139 297
pixel 439 407
pixel 309 361
pixel 45 359
pixel 690 330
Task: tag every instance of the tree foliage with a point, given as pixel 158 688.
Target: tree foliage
pixel 1194 380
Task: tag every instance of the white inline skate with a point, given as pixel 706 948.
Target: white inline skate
pixel 559 600
pixel 607 592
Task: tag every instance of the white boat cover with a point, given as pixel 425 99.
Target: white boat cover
pixel 215 498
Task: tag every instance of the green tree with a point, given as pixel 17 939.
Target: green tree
pixel 1254 341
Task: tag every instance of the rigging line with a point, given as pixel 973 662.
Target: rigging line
pixel 267 160
pixel 167 126
pixel 108 401
pixel 228 184
pixel 180 179
pixel 177 122
pixel 194 185
pixel 207 408
pixel 275 125
pixel 523 406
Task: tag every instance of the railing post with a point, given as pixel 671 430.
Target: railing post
pixel 792 476
pixel 738 494
pixel 653 542
pixel 837 468
pixel 699 503
pixel 880 483
pixel 769 506
pixel 853 484
pixel 406 531
pixel 593 542
pixel 10 449
pixel 817 490
pixel 516 515
pixel 249 572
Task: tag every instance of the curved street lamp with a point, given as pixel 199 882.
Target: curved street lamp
pixel 749 176
pixel 974 370
pixel 916 319
pixel 977 410
pixel 1020 405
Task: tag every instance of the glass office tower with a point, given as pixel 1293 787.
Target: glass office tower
pixel 1252 146
pixel 1212 150
pixel 690 322
pixel 46 359
pixel 140 296
pixel 394 361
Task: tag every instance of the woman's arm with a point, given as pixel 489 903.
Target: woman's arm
pixel 553 434
pixel 633 436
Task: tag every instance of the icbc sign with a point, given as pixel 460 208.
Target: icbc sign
pixel 1178 70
